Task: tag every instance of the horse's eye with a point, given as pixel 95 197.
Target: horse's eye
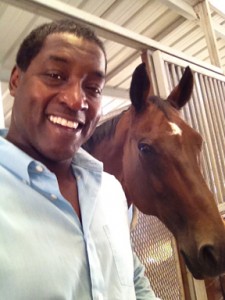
pixel 146 148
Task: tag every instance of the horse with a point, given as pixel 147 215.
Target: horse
pixel 154 153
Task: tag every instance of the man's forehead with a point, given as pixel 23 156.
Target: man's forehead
pixel 69 43
pixel 67 39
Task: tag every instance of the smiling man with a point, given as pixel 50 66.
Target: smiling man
pixel 63 221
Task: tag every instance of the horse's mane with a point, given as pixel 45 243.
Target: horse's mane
pixel 107 129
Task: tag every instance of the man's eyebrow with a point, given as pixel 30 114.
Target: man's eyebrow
pixel 57 58
pixel 62 59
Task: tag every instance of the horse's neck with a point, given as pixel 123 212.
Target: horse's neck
pixel 110 151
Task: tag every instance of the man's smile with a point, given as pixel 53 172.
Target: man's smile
pixel 64 122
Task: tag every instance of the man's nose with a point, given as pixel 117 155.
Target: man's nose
pixel 74 97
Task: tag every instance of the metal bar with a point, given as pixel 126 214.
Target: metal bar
pixel 210 134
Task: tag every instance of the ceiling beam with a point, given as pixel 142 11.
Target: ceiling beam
pixel 122 65
pixel 219 31
pixel 115 92
pixel 187 11
pixel 55 9
pixel 219 12
pixel 181 7
pixel 204 13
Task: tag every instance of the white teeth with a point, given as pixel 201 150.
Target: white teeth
pixel 63 122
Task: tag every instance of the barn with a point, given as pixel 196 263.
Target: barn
pixel 167 35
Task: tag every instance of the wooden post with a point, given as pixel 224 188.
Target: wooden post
pixel 203 11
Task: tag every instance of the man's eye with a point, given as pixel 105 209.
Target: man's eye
pixel 94 91
pixel 55 76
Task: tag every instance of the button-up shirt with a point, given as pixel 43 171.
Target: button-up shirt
pixel 45 251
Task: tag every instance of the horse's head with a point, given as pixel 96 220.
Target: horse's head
pixel 163 177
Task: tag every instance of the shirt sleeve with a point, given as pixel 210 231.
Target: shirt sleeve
pixel 143 288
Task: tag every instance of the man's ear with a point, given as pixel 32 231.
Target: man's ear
pixel 14 80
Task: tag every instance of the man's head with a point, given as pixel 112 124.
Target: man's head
pixel 33 43
pixel 57 89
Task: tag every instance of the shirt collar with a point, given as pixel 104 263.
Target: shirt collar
pixel 86 161
pixel 18 161
pixel 14 159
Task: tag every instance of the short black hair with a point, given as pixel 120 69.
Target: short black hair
pixel 33 43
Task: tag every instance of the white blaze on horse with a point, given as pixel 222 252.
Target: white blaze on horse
pixel 154 153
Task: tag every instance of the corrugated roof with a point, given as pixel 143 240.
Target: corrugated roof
pixel 174 24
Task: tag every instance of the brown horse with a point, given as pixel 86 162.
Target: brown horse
pixel 155 156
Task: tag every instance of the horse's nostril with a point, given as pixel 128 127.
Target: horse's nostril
pixel 207 256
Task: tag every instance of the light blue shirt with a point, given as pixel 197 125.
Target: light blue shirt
pixel 45 252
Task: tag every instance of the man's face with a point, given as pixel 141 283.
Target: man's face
pixel 58 98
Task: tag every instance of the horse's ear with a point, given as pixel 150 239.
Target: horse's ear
pixel 181 94
pixel 139 87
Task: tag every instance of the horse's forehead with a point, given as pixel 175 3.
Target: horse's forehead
pixel 159 125
pixel 151 118
pixel 155 120
pixel 180 128
pixel 186 134
pixel 175 129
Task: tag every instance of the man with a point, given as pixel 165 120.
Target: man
pixel 63 221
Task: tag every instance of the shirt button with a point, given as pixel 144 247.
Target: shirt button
pixel 53 197
pixel 39 168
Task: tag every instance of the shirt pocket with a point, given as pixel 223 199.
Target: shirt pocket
pixel 122 255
